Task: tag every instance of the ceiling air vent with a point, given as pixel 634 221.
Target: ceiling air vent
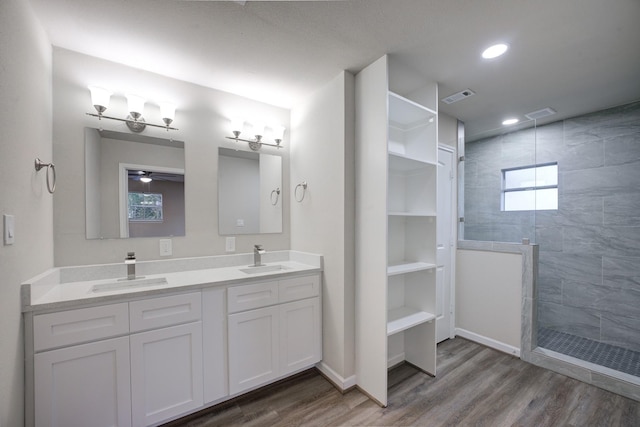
pixel 537 115
pixel 458 96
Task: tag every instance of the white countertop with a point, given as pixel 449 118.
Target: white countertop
pixel 47 291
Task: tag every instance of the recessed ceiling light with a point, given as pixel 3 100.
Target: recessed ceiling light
pixel 508 122
pixel 495 51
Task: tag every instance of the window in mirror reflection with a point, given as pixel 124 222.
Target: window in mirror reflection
pixel 145 207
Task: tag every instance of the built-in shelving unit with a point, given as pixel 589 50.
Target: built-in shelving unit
pixel 396 229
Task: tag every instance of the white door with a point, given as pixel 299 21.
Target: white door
pixel 444 241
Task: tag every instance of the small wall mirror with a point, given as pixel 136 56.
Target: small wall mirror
pixel 134 185
pixel 249 192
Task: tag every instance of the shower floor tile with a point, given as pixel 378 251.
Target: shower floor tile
pixel 607 355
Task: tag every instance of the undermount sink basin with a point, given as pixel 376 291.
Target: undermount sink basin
pixel 264 269
pixel 128 284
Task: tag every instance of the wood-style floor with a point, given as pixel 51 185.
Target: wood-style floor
pixel 475 386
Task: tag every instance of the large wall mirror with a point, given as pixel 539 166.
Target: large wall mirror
pixel 249 192
pixel 134 185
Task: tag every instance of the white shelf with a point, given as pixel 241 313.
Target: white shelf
pixel 417 214
pixel 400 162
pixel 405 112
pixel 409 267
pixel 403 318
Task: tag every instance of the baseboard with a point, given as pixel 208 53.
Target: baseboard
pixel 342 384
pixel 395 360
pixel 489 342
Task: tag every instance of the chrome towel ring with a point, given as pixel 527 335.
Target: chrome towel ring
pixel 39 164
pixel 302 185
pixel 277 193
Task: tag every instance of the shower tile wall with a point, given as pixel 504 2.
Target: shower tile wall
pixel 589 271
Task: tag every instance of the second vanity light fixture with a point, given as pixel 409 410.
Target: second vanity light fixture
pixel 237 126
pixel 135 121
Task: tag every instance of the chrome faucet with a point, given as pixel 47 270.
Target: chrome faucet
pixel 257 255
pixel 130 262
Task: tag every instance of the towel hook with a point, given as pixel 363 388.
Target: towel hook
pixel 39 164
pixel 303 185
pixel 277 193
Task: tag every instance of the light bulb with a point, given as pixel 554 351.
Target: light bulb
pixel 136 105
pixel 100 98
pixel 236 126
pixel 167 112
pixel 495 51
pixel 278 133
pixel 512 121
pixel 258 129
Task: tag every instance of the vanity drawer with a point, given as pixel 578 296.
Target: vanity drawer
pixel 77 326
pixel 299 288
pixel 248 297
pixel 165 311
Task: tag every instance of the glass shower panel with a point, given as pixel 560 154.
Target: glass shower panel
pixel 486 158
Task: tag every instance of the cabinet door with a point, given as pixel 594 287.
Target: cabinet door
pixel 166 373
pixel 300 335
pixel 84 385
pixel 253 348
pixel 214 349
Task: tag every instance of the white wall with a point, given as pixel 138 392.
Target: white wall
pixel 489 298
pixel 202 117
pixel 447 130
pixel 322 154
pixel 25 120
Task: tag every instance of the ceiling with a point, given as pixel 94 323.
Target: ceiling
pixel 575 56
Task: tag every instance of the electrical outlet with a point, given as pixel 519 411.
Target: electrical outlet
pixel 230 244
pixel 165 247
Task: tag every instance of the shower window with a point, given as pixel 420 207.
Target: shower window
pixel 145 207
pixel 530 188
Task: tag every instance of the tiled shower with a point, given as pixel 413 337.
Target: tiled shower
pixel 589 248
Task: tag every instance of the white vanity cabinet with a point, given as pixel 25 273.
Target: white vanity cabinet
pixel 82 384
pixel 144 362
pixel 278 333
pixel 166 362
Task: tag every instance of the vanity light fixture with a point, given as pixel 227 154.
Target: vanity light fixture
pixel 135 121
pixel 258 129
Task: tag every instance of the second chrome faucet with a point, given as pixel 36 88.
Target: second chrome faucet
pixel 257 255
